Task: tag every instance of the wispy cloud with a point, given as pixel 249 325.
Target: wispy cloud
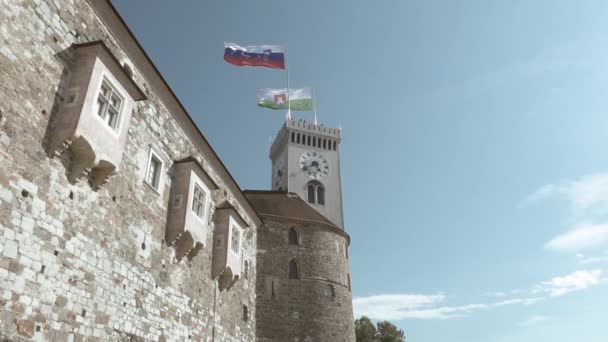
pixel 576 281
pixel 579 238
pixel 534 320
pixel 587 197
pixel 420 306
pixel 583 193
pixel 586 260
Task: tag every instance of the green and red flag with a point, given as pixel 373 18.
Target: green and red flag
pixel 297 99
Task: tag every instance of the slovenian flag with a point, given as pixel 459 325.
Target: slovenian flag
pixel 271 56
pixel 298 99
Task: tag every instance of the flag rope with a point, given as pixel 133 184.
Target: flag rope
pixel 288 90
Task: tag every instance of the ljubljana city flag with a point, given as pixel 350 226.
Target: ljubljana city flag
pixel 271 56
pixel 298 99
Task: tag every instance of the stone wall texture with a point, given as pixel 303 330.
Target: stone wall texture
pixel 79 263
pixel 318 305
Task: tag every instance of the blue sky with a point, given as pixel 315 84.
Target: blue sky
pixel 474 162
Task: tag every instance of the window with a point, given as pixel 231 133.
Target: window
pixel 293 270
pixel 320 195
pixel 316 193
pixel 334 145
pixel 308 140
pixel 293 137
pixel 311 193
pixel 153 173
pixel 198 201
pixel 108 105
pixel 245 313
pixel 329 291
pixel 293 236
pixel 234 242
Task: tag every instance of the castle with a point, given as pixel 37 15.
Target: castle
pixel 119 222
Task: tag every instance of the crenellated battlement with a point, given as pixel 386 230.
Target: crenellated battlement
pixel 306 133
pixel 301 124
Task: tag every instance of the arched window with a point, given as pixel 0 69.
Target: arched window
pixel 311 193
pixel 293 270
pixel 316 192
pixel 320 195
pixel 293 236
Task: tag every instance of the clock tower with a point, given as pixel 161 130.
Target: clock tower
pixel 306 161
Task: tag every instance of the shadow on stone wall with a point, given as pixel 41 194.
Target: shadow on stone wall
pixel 65 57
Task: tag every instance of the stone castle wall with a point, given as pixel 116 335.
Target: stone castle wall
pixel 303 309
pixel 76 262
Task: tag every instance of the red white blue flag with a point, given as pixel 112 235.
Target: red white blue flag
pixel 271 56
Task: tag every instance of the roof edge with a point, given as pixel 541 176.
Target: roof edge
pixel 103 8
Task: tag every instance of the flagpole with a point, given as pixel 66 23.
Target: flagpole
pixel 314 103
pixel 287 70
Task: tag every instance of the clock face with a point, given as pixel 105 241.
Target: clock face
pixel 279 175
pixel 314 164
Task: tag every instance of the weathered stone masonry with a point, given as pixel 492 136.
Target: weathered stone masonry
pixel 80 261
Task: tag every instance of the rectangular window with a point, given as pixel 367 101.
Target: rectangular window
pixel 198 201
pixel 155 166
pixel 108 105
pixel 245 313
pixel 235 240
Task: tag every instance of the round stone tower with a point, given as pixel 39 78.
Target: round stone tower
pixel 303 281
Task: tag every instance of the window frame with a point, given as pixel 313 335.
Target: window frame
pixel 234 229
pixel 153 155
pixel 203 203
pixel 297 270
pixel 118 122
pixel 316 185
pixel 293 233
pixel 194 182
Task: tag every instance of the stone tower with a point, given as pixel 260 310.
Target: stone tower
pixel 303 284
pixel 306 161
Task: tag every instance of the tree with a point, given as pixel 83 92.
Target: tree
pixel 388 332
pixel 365 330
pixel 384 331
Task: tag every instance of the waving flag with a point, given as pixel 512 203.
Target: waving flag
pixel 298 99
pixel 271 56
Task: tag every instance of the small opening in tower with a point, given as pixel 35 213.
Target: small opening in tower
pixel 245 313
pixel 314 141
pixel 308 140
pixel 293 137
pixel 298 138
pixel 334 145
pixel 324 144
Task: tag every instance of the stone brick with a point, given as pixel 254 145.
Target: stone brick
pixel 61 301
pixel 26 328
pixel 11 249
